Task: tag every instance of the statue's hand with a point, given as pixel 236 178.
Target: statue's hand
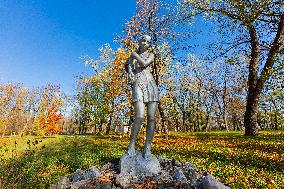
pixel 133 53
pixel 131 77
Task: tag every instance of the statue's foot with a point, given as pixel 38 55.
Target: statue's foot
pixel 146 154
pixel 131 151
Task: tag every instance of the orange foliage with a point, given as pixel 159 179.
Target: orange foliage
pixel 51 122
pixel 49 116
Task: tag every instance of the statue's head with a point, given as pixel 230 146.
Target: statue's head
pixel 144 41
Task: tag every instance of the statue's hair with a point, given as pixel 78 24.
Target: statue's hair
pixel 148 37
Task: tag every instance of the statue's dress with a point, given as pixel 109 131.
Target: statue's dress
pixel 144 87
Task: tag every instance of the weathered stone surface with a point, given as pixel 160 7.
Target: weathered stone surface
pixel 165 163
pixel 136 167
pixel 179 176
pixel 191 173
pixel 92 172
pixel 77 176
pixel 209 182
pixel 172 174
pixel 82 184
pixel 124 180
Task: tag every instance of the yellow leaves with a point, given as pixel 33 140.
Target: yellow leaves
pixel 274 156
pixel 52 169
pixel 236 161
pixel 104 93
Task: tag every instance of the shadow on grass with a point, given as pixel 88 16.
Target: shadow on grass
pixel 41 168
pixel 263 144
pixel 245 148
pixel 98 136
pixel 271 143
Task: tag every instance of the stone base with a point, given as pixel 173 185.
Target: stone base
pixel 136 167
pixel 173 174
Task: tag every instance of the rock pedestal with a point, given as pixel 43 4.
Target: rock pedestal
pixel 136 167
pixel 209 182
pixel 136 173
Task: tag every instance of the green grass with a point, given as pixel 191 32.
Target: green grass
pixel 238 161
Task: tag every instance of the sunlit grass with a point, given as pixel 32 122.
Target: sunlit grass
pixel 238 161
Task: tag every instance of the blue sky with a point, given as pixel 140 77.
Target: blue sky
pixel 41 40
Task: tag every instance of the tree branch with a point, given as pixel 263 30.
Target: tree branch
pixel 275 48
pixel 230 48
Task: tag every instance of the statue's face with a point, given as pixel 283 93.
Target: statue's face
pixel 145 43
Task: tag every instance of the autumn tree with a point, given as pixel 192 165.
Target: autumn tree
pixel 13 108
pixel 88 105
pixel 254 28
pixel 27 111
pixel 103 98
pixel 49 111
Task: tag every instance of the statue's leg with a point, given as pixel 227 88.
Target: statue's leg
pixel 139 117
pixel 151 112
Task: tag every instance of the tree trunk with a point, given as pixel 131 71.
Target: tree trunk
pixel 207 122
pixel 95 129
pixel 224 98
pixel 250 119
pixel 80 129
pixel 108 126
pixel 177 125
pixel 183 120
pixel 255 84
pixel 101 127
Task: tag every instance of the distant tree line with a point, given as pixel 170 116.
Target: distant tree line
pixel 37 111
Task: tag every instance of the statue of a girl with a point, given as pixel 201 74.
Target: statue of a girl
pixel 144 92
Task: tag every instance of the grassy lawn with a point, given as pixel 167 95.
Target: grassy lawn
pixel 238 161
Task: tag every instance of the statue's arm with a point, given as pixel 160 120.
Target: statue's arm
pixel 145 62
